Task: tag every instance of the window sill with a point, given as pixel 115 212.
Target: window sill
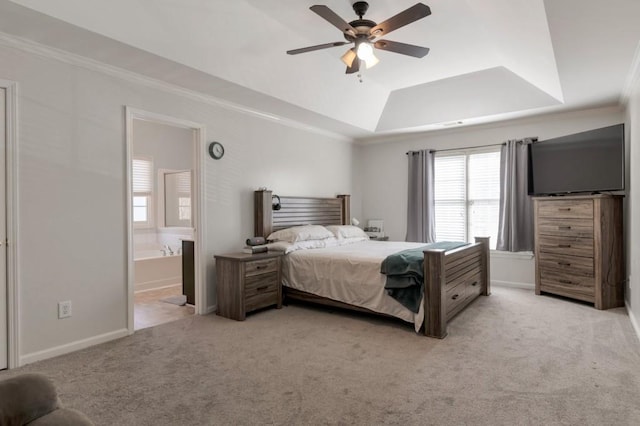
pixel 521 255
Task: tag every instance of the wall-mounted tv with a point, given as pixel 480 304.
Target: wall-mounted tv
pixel 587 162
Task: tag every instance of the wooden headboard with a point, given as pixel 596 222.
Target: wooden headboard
pixel 298 211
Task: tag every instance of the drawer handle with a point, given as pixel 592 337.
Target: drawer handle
pixel 566 209
pixel 264 287
pixel 455 296
pixel 475 283
pixel 261 266
pixel 564 245
pixel 564 227
pixel 564 264
pixel 566 281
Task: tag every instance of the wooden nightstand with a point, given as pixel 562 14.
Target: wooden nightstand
pixel 246 282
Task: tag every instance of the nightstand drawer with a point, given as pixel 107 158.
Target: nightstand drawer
pixel 566 209
pixel 262 266
pixel 261 284
pixel 262 300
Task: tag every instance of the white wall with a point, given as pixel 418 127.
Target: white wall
pixel 382 168
pixel 72 190
pixel 632 293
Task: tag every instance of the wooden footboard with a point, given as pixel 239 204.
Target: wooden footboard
pixel 452 280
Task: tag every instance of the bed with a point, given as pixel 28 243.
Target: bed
pixel 452 278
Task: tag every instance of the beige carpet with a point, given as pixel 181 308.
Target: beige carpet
pixel 510 359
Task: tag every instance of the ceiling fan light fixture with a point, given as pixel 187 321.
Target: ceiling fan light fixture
pixel 348 57
pixel 365 53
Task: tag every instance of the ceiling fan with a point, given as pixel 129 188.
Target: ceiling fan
pixel 365 34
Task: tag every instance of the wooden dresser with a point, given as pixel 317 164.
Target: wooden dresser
pixel 579 248
pixel 246 282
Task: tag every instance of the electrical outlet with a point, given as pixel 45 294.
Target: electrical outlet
pixel 64 309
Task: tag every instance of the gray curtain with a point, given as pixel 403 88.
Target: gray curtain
pixel 515 226
pixel 421 207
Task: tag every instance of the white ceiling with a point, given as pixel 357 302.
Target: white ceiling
pixel 489 59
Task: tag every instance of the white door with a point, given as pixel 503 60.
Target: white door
pixel 3 235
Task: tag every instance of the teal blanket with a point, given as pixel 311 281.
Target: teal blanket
pixel 405 273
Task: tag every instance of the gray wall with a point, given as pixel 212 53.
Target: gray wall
pixel 382 167
pixel 632 295
pixel 72 189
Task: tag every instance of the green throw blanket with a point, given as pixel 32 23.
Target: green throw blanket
pixel 405 273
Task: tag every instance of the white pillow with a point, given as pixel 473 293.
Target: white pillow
pixel 288 247
pixel 351 240
pixel 300 233
pixel 347 231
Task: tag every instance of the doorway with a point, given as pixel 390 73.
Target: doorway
pixel 9 341
pixel 4 305
pixel 164 219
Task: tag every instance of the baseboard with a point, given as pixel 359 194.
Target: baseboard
pixel 142 288
pixel 527 286
pixel 210 309
pixel 634 320
pixel 72 347
pixel 157 284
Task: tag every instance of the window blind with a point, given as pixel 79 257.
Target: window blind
pixel 450 198
pixel 141 176
pixel 467 193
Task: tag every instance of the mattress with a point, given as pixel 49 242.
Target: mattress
pixel 349 274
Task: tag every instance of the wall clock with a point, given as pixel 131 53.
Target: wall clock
pixel 216 150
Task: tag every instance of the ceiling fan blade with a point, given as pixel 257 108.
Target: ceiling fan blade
pixel 355 67
pixel 415 12
pixel 402 48
pixel 317 47
pixel 333 19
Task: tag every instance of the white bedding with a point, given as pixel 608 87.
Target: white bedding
pixel 350 274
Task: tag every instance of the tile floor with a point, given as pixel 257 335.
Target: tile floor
pixel 149 310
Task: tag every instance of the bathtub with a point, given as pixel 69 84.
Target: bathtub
pixel 153 270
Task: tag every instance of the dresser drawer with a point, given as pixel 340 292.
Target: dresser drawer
pixel 562 264
pixel 566 209
pixel 582 228
pixel 563 284
pixel 261 299
pixel 262 266
pixel 571 246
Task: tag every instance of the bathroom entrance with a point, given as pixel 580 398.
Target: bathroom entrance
pixel 164 200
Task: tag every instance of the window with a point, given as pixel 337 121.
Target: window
pixel 142 184
pixel 467 195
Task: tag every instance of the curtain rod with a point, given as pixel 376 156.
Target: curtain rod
pixel 533 139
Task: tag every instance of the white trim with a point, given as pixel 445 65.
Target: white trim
pixel 634 321
pixel 73 346
pixel 30 46
pixel 633 78
pixel 512 284
pixel 521 255
pixel 13 295
pixel 201 295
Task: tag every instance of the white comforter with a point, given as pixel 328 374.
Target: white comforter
pixel 350 274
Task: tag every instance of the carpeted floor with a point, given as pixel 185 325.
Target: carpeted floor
pixel 510 359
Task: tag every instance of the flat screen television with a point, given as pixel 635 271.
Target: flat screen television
pixel 587 162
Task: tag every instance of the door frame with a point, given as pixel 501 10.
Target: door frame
pixel 11 170
pixel 201 295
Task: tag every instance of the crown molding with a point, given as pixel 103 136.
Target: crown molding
pixel 633 78
pixel 30 46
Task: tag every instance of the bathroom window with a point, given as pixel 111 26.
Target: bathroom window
pixel 142 183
